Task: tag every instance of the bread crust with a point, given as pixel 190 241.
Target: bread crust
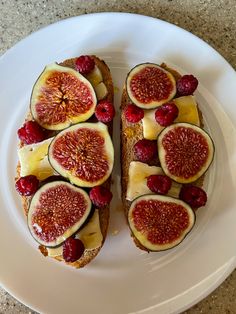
pixel 88 255
pixel 130 133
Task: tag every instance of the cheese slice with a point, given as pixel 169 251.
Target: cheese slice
pixel 137 182
pixel 150 127
pixel 101 91
pixel 188 112
pixel 90 235
pixel 53 252
pixel 34 160
pixel 95 76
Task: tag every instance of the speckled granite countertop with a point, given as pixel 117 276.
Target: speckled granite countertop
pixel 212 20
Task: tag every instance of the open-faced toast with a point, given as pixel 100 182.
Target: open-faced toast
pixel 94 230
pixel 140 132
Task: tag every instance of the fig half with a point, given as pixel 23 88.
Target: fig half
pixel 83 153
pixel 62 96
pixel 160 222
pixel 57 210
pixel 149 85
pixel 185 152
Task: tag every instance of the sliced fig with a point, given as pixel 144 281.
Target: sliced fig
pixel 61 97
pixel 83 153
pixel 57 210
pixel 185 152
pixel 160 222
pixel 149 86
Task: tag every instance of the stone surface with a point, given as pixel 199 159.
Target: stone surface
pixel 212 20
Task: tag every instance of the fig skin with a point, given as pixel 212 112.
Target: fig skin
pixel 203 170
pixel 67 174
pixel 71 230
pixel 154 103
pixel 70 119
pixel 140 241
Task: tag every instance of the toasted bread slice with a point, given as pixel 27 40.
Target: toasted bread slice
pixel 131 133
pixel 88 255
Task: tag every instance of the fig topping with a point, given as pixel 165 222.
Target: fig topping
pixel 57 210
pixel 83 153
pixel 149 86
pixel 185 152
pixel 61 97
pixel 159 222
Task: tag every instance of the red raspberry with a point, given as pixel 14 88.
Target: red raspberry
pixel 100 196
pixel 166 114
pixel 84 64
pixel 159 184
pixel 73 249
pixel 186 85
pixel 145 150
pixel 193 195
pixel 31 132
pixel 133 113
pixel 27 185
pixel 105 111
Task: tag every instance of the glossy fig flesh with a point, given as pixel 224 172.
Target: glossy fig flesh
pixel 62 96
pixel 185 152
pixel 57 210
pixel 149 85
pixel 83 153
pixel 160 222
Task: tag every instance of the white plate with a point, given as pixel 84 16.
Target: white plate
pixel 122 279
